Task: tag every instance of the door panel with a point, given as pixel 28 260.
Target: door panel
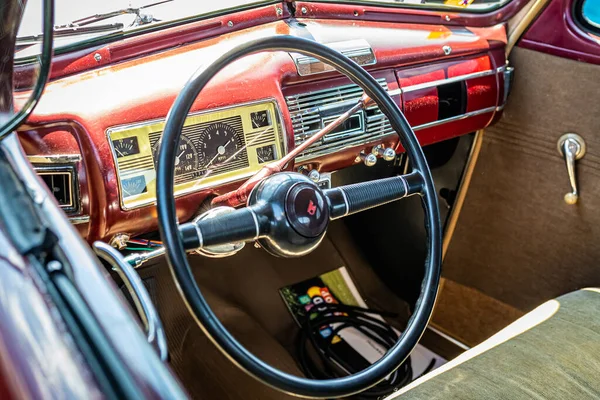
pixel 558 32
pixel 517 243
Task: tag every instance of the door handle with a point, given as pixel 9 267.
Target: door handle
pixel 141 298
pixel 572 147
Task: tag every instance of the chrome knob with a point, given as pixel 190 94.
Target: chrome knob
pixel 314 175
pixel 388 154
pixel 368 159
pixel 572 147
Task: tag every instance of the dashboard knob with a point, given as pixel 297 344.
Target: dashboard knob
pixel 314 175
pixel 388 154
pixel 368 159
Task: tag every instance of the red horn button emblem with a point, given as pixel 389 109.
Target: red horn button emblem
pixel 312 208
pixel 306 210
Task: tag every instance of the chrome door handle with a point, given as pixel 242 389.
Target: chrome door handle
pixel 141 298
pixel 572 147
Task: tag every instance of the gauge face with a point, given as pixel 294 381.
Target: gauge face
pixel 186 157
pixel 219 143
pixel 126 147
pixel 265 153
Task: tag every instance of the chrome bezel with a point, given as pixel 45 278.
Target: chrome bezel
pixel 61 164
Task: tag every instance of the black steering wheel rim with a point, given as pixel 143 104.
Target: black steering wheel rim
pixel 176 255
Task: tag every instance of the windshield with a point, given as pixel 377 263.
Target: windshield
pixel 79 21
pixel 76 20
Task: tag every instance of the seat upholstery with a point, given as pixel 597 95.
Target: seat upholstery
pixel 552 352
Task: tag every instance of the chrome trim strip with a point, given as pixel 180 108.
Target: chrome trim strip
pixel 345 201
pixel 395 92
pixel 255 218
pixel 457 118
pixel 82 219
pixel 445 81
pixel 405 185
pixel 54 159
pixel 200 237
pixel 359 50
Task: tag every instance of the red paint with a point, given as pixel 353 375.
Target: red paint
pixel 75 111
pixel 396 14
pixel 481 92
pixel 555 32
pixel 420 106
pixel 83 60
pixel 454 129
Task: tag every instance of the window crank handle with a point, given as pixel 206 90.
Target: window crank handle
pixel 572 147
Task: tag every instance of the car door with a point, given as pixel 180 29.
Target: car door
pixel 517 241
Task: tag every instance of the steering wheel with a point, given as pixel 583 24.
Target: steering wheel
pixel 288 215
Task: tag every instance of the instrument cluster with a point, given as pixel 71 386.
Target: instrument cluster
pixel 215 147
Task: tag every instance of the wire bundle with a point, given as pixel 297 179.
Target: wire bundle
pixel 137 244
pixel 330 364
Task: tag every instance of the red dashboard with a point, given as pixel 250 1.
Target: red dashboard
pixel 448 80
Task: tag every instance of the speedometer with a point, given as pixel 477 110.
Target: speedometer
pixel 219 143
pixel 186 158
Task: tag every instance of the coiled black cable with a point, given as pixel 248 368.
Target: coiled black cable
pixel 332 365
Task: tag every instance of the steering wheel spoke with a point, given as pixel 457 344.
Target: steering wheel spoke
pixel 350 199
pixel 241 225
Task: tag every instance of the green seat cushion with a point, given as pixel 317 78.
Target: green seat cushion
pixel 552 352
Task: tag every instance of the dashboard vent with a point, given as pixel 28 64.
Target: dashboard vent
pixel 312 111
pixel 61 182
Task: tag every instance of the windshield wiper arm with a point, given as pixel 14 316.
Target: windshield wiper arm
pixel 80 26
pixel 141 18
pixel 67 31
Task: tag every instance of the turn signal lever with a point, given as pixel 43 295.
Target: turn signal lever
pixel 288 214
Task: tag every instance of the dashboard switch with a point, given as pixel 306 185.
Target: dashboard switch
pixel 388 154
pixel 314 175
pixel 368 159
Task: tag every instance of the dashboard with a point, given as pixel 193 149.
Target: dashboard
pixel 95 135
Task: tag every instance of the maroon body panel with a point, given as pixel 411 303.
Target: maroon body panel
pixel 555 32
pixel 38 356
pixel 417 15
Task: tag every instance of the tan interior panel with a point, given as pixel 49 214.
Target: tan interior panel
pixel 516 240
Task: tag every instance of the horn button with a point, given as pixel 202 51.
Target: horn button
pixel 306 210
